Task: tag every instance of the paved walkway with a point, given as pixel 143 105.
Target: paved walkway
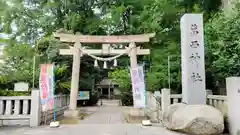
pixel 108 113
pixel 105 115
pixel 107 120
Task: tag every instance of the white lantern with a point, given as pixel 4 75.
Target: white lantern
pixel 95 63
pixel 115 63
pixel 105 65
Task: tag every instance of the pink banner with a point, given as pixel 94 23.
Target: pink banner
pixel 46 83
pixel 138 87
pixel 43 83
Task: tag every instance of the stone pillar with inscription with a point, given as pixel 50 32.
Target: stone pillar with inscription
pixel 233 98
pixel 192 59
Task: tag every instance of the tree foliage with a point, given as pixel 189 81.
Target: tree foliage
pixel 222 44
pixel 31 23
pixel 122 78
pixel 163 18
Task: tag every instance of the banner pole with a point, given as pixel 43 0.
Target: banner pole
pixel 33 71
pixel 145 83
pixel 55 123
pixel 54 105
pixel 145 122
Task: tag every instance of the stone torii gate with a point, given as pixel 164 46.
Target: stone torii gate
pixel 77 51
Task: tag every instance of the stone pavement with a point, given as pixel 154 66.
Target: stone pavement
pixel 106 120
pixel 94 129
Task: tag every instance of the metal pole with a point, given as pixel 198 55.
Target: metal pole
pixel 101 97
pixel 109 96
pixel 145 82
pixel 169 73
pixel 34 63
pixel 53 85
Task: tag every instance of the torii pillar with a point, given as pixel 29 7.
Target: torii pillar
pixel 73 112
pixel 133 56
pixel 75 51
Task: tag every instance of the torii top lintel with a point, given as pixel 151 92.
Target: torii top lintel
pixel 104 39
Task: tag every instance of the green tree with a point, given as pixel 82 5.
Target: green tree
pixel 122 78
pixel 222 45
pixel 18 60
pixel 32 22
pixel 163 18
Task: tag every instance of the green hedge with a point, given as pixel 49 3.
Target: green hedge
pixel 126 99
pixel 14 93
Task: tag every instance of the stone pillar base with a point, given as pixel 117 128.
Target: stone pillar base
pixel 71 113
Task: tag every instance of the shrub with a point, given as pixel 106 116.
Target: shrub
pixel 94 97
pixel 14 93
pixel 126 99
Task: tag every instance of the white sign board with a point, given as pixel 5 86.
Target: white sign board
pixel 233 98
pixel 192 59
pixel 138 86
pixel 21 86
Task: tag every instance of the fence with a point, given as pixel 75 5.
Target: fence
pixel 155 105
pixel 26 110
pixel 219 102
pixel 61 104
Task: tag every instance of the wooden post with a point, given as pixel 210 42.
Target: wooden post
pixel 109 93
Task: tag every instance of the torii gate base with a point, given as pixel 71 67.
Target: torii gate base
pixel 78 39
